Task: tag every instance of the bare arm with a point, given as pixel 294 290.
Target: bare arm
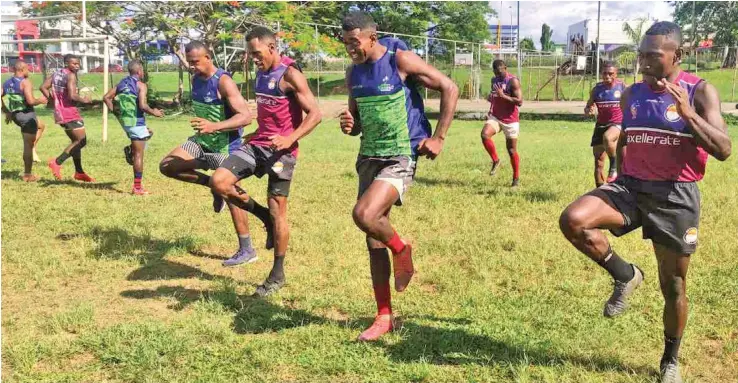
pixel 72 90
pixel 27 89
pixel 517 97
pixel 296 82
pixel 2 101
pixel 623 139
pixel 590 103
pixel 410 64
pixel 46 88
pixel 241 113
pixel 350 119
pixel 707 124
pixel 108 98
pixel 143 103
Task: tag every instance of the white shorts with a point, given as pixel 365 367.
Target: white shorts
pixel 511 130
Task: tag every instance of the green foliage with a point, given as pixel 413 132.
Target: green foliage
pixel 547 45
pixel 718 17
pixel 527 44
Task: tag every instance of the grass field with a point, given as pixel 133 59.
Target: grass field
pixel 102 286
pixel 332 86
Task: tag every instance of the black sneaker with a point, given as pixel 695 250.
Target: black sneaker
pixel 129 154
pixel 618 302
pixel 495 165
pixel 218 203
pixel 268 288
pixel 515 183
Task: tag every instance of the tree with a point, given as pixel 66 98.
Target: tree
pixel 547 45
pixel 527 44
pixel 635 35
pixel 718 20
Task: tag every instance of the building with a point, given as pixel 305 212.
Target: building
pixel 504 39
pixel 611 38
pixel 15 29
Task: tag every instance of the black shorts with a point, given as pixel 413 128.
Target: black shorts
pixel 599 133
pixel 27 121
pixel 256 160
pixel 668 211
pixel 72 125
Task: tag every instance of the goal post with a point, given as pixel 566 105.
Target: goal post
pixel 106 64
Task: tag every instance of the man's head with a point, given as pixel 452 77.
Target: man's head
pixel 359 36
pixel 660 52
pixel 262 48
pixel 135 68
pixel 199 58
pixel 500 68
pixel 20 68
pixel 609 72
pixel 71 62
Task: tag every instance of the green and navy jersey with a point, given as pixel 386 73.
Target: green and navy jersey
pixel 127 99
pixel 16 99
pixel 208 105
pixel 392 125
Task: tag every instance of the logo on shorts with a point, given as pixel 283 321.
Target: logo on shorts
pixel 272 83
pixel 690 237
pixel 672 114
pixel 278 167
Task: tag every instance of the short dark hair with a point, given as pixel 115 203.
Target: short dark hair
pixel 195 45
pixel 608 64
pixel 19 64
pixel 134 66
pixel 358 20
pixel 667 29
pixel 261 33
pixel 70 56
pixel 498 63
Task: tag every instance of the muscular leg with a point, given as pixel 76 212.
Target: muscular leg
pixel 79 141
pixel 28 156
pixel 180 165
pixel 224 183
pixel 512 150
pixel 487 132
pixel 582 220
pixel 369 211
pixel 599 164
pixel 673 267
pixel 39 133
pixel 278 211
pixel 610 141
pixel 137 152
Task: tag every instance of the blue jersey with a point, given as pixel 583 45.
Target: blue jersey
pixel 127 98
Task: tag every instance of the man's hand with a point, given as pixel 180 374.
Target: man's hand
pixel 347 122
pixel 680 96
pixel 430 147
pixel 203 126
pixel 281 142
pixel 589 111
pixel 499 92
pixel 8 117
pixel 157 113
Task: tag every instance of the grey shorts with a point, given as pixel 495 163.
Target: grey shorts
pixel 73 125
pixel 256 160
pixel 669 212
pixel 398 171
pixel 206 160
pixel 27 121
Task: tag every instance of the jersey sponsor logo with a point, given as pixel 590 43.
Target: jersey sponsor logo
pixel 672 114
pixel 616 94
pixel 645 138
pixel 690 236
pixel 266 101
pixel 272 83
pixel 634 110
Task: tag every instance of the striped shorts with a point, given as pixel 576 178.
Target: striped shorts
pixel 207 160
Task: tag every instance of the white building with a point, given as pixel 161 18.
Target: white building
pixel 612 36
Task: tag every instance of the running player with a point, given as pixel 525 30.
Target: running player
pixel 394 133
pixel 606 97
pixel 671 123
pixel 130 106
pixel 62 88
pixel 506 97
pixel 19 91
pixel 220 112
pixel 282 95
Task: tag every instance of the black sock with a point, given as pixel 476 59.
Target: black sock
pixel 671 349
pixel 62 157
pixel 613 164
pixel 254 208
pixel 619 269
pixel 78 163
pixel 277 273
pixel 203 179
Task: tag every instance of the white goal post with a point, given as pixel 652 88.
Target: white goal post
pixel 106 64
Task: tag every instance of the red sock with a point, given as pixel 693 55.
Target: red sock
pixel 395 244
pixel 489 145
pixel 515 159
pixel 383 297
pixel 137 183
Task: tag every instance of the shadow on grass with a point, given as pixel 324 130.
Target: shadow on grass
pixel 14 175
pixel 448 344
pixel 83 185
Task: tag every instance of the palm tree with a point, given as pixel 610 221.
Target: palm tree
pixel 635 34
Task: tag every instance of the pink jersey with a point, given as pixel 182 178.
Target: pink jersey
pixel 64 108
pixel 660 146
pixel 277 113
pixel 503 110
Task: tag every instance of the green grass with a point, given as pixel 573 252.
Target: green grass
pixel 332 85
pixel 99 285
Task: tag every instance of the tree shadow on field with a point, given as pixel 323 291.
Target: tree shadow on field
pixel 11 175
pixel 425 181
